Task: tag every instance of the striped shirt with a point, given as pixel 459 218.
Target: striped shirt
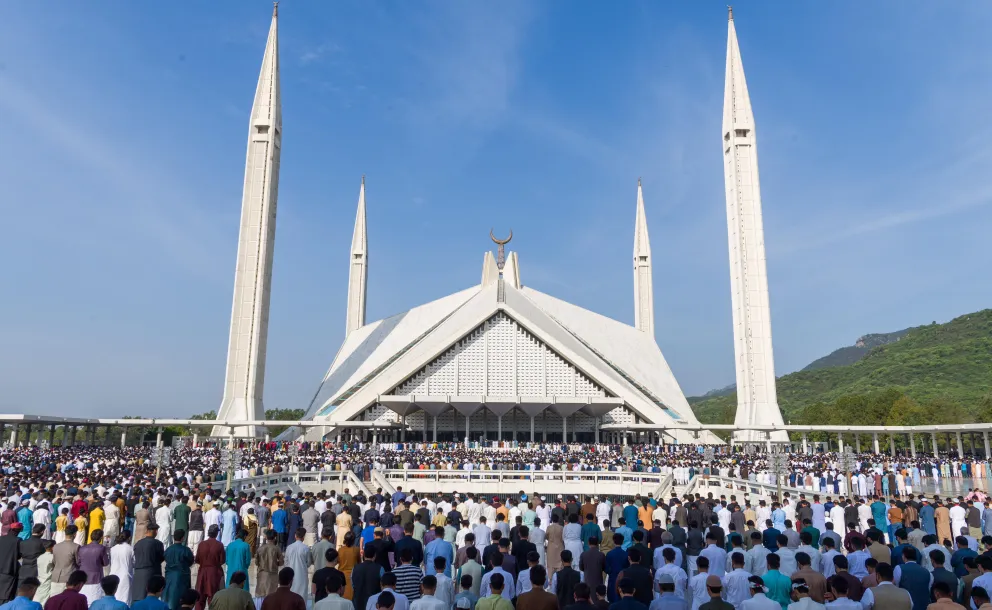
pixel 408 580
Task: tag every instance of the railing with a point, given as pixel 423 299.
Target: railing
pixel 380 481
pixel 746 486
pixel 666 486
pixel 615 483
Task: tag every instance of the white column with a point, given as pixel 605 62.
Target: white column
pixel 434 437
pixel 468 429
pixel 532 428
pixel 874 440
pixel 564 429
pixel 499 427
pixel 403 428
pixel 936 450
pixel 912 445
pixel 840 443
pixel 957 436
pixel 892 444
pixel 857 443
pixel 985 437
pixel 805 444
pixel 599 420
pixel 123 437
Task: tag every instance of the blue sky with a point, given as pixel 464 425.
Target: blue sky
pixel 125 124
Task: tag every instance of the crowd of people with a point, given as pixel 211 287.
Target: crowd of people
pixel 102 527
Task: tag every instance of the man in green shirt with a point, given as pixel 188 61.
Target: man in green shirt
pixel 778 584
pixel 495 600
pixel 180 514
pixel 815 533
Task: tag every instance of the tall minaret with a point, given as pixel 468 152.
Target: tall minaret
pixel 253 275
pixel 358 273
pixel 756 399
pixel 643 292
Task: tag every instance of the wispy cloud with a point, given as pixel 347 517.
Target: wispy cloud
pixel 146 201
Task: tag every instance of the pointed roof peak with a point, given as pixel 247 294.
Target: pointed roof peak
pixel 275 9
pixel 730 13
pixel 638 182
pixel 363 179
pixel 642 244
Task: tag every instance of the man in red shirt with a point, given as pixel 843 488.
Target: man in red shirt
pixel 71 598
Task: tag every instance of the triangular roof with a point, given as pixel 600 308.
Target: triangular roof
pixel 379 357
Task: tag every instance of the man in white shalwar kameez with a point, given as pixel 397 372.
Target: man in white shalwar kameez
pixel 163 518
pixel 299 558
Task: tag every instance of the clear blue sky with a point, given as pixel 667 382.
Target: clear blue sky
pixel 124 127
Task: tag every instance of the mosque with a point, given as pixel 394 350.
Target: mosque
pixel 499 360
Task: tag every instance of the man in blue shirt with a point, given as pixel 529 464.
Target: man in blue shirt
pixel 630 513
pixel 280 523
pixel 25 593
pixel 156 584
pixel 439 547
pixel 626 532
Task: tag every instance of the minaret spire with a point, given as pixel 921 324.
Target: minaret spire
pixel 757 402
pixel 245 376
pixel 643 291
pixel 358 272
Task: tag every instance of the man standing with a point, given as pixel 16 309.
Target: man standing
pixel 210 575
pixel 196 527
pixel 234 597
pixel 270 558
pixel 93 558
pixel 284 598
pixel 178 569
pixel 10 552
pixel 365 579
pixel 149 553
pixel 299 558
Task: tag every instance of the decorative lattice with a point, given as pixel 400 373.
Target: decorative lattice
pixel 472 363
pixel 500 358
pixel 530 364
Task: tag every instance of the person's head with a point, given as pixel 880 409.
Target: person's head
pixel 714 586
pixel 335 584
pixel 538 575
pixel 626 587
pixel 737 560
pixel 702 564
pixel 756 585
pixel 979 596
pixel 428 585
pixel 385 601
pixel 803 559
pixel 109 584
pixel 238 579
pixel 28 587
pixel 286 577
pixel 936 557
pixel 156 584
pixel 438 563
pixel 566 557
pixel 666 584
pixel 406 556
pixel 581 592
pixel 799 588
pixel 774 561
pixel 189 598
pixel 496 583
pixel 941 590
pixel 885 572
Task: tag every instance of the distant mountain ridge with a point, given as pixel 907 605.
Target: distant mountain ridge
pixel 943 372
pixel 839 357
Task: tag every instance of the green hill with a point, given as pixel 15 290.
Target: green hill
pixel 939 372
pixel 853 353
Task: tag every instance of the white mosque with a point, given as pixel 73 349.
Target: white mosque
pixel 500 359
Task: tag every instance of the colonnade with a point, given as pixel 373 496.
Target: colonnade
pixel 35 434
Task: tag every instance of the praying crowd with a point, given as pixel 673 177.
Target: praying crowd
pixel 101 527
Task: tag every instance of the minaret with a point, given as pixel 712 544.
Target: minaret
pixel 358 272
pixel 245 375
pixel 643 292
pixel 756 399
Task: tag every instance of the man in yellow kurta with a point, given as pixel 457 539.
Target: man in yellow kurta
pixel 96 520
